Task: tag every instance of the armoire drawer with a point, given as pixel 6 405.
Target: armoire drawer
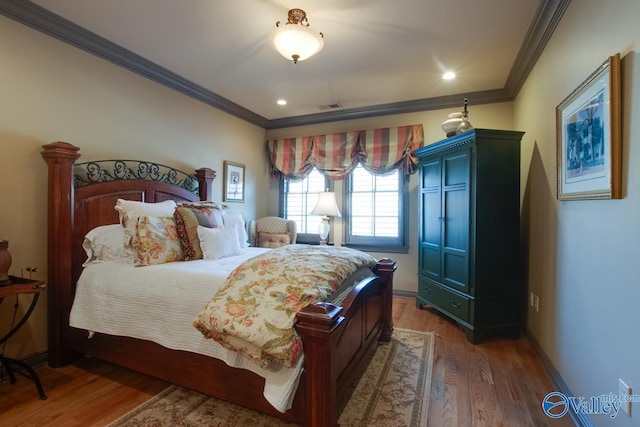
pixel 445 299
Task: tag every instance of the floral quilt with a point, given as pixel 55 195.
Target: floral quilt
pixel 255 310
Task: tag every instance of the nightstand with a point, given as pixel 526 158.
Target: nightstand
pixel 21 286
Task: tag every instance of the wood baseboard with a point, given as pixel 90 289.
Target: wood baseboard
pixel 404 294
pixel 580 420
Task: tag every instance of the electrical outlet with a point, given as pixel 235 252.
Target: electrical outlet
pixel 531 299
pixel 536 303
pixel 624 390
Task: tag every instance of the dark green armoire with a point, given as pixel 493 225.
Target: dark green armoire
pixel 468 255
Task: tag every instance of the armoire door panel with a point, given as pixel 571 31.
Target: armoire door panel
pixel 432 218
pixel 456 219
pixel 430 262
pixel 456 168
pixel 431 174
pixel 455 272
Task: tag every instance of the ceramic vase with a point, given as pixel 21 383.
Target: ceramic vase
pixel 5 261
pixel 450 125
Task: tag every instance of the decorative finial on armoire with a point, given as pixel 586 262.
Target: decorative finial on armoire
pixel 464 124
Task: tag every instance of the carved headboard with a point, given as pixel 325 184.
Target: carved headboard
pixel 83 196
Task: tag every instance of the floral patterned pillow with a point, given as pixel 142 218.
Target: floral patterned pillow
pixel 130 210
pixel 155 241
pixel 188 217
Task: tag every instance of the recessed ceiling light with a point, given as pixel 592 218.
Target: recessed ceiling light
pixel 281 102
pixel 449 75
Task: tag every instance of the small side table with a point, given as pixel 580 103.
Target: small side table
pixel 21 286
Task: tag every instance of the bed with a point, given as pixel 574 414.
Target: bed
pixel 336 338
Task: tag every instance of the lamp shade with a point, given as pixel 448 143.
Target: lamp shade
pixel 326 205
pixel 295 40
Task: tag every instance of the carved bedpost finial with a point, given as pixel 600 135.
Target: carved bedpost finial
pixel 386 265
pixel 205 178
pixel 62 150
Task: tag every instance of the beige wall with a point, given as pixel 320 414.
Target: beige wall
pixel 52 91
pixel 492 116
pixel 583 255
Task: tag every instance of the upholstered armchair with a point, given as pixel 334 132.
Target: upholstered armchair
pixel 272 232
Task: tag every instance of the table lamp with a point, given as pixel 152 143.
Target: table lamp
pixel 327 207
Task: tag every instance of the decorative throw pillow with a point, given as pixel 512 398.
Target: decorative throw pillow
pixel 205 203
pixel 188 217
pixel 155 241
pixel 234 218
pixel 106 243
pixel 131 210
pixel 219 242
pixel 273 240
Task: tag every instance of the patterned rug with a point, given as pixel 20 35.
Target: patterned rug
pixel 393 390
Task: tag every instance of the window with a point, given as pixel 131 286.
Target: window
pixel 376 211
pixel 299 199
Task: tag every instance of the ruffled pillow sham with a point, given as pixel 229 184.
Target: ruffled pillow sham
pixel 106 243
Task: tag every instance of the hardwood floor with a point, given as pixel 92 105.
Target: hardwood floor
pixel 500 382
pixel 496 383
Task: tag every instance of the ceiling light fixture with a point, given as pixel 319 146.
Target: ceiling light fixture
pixel 281 102
pixel 295 40
pixel 449 75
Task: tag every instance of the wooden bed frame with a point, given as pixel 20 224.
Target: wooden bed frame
pixel 335 339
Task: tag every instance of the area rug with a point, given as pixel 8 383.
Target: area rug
pixel 393 390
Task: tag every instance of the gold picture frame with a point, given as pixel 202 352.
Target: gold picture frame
pixel 233 182
pixel 589 137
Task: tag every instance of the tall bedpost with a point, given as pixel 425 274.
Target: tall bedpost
pixel 60 158
pixel 205 178
pixel 385 268
pixel 316 324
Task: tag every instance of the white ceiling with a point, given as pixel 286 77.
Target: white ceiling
pixel 376 52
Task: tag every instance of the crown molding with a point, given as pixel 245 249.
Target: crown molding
pixel 413 106
pixel 542 26
pixel 41 19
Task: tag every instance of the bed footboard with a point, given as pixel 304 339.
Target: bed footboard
pixel 336 339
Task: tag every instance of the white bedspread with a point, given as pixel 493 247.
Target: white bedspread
pixel 159 303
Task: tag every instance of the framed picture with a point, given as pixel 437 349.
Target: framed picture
pixel 233 182
pixel 589 133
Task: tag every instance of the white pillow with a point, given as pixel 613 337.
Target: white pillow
pixel 106 243
pixel 131 210
pixel 234 218
pixel 219 242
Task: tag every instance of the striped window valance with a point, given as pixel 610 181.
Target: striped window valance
pixel 379 151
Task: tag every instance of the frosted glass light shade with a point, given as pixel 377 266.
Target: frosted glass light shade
pixel 296 42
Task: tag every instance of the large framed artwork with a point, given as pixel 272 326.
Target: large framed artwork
pixel 233 182
pixel 589 133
